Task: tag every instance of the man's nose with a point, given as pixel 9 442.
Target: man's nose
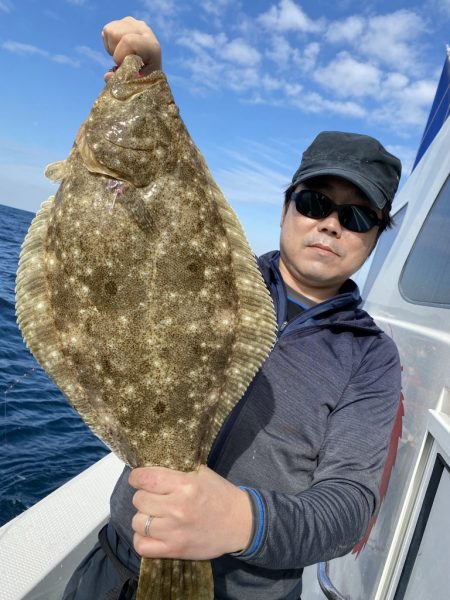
pixel 330 225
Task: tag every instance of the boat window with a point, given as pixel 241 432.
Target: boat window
pixel 425 574
pixel 385 242
pixel 425 278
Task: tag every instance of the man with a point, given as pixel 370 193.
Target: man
pixel 293 476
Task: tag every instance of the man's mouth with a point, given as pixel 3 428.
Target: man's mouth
pixel 325 248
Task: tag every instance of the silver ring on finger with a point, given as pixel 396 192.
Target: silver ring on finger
pixel 147 525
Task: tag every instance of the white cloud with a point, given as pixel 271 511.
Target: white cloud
pixel 77 2
pixel 62 59
pixel 307 60
pixel 288 16
pixel 395 81
pixel 347 30
pixel 371 76
pixel 94 55
pixel 161 14
pixel 279 51
pixel 19 48
pixel 390 39
pixel 407 106
pixel 284 55
pixel 203 74
pixel 204 40
pixel 271 84
pixel 306 101
pixel 6 6
pixel 348 77
pixel 26 49
pixel 392 98
pixel 441 5
pixel 241 80
pixel 166 7
pixel 237 50
pixel 215 7
pixel 315 103
pixel 240 52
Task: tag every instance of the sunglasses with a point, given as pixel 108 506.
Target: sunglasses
pixel 354 217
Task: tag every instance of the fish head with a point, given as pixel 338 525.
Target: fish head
pixel 130 131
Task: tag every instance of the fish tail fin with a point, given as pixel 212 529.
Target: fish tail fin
pixel 167 579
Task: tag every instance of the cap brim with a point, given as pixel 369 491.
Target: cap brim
pixel 373 193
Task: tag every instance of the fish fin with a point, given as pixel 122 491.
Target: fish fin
pixel 256 332
pixel 36 321
pixel 55 171
pixel 167 579
pixel 33 310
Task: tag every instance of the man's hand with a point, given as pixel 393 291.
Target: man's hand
pixel 196 516
pixel 130 36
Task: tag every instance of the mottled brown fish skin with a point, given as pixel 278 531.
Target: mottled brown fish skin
pixel 138 293
pixel 143 318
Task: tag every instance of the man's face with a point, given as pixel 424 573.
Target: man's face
pixel 317 256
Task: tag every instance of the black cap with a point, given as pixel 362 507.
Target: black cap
pixel 359 158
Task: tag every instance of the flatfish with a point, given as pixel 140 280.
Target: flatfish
pixel 139 295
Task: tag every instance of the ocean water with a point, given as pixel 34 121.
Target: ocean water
pixel 43 441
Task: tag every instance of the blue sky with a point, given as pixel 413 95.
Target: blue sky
pixel 255 82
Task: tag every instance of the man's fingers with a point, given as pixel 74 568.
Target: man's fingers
pixel 153 504
pixel 157 480
pixel 143 46
pixel 130 36
pixel 150 525
pixel 115 30
pixel 151 547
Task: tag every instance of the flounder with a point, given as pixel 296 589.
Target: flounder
pixel 139 295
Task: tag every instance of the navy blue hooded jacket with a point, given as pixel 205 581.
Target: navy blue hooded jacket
pixel 308 440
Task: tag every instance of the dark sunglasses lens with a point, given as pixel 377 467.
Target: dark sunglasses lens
pixel 357 218
pixel 315 205
pixel 312 204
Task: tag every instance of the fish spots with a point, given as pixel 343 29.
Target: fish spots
pixel 159 408
pixel 110 287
